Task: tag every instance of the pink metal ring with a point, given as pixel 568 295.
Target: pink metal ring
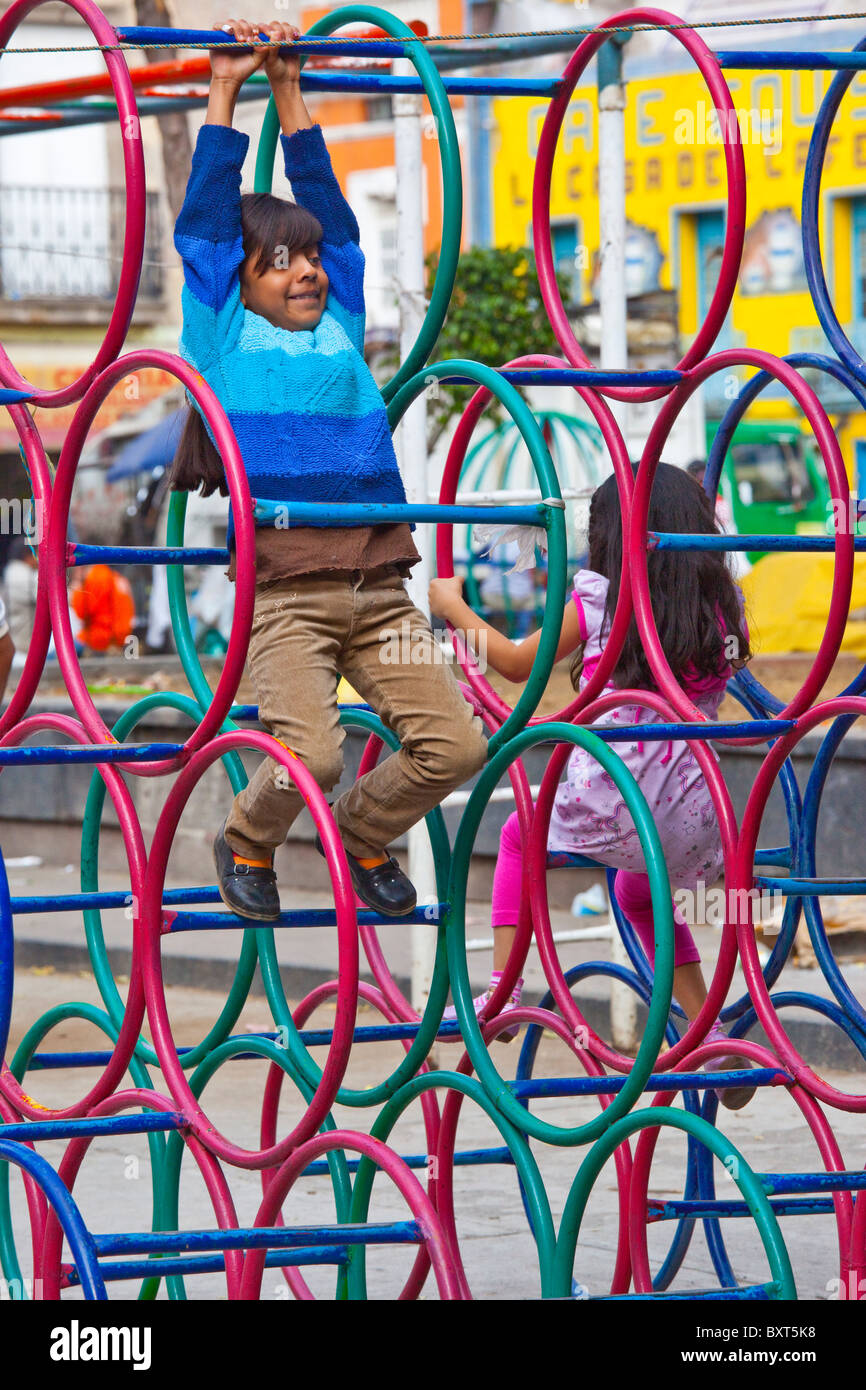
pixel 618 452
pixel 149 926
pixel 537 871
pixel 736 210
pixel 133 843
pixel 133 242
pixel 37 651
pixel 637 536
pixel 239 493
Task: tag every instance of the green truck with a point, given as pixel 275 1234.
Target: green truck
pixel 773 481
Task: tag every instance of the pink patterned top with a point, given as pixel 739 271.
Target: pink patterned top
pixel 589 814
pixel 590 596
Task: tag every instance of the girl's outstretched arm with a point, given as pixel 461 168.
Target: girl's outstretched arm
pixel 315 187
pixel 207 233
pixel 284 74
pixel 513 660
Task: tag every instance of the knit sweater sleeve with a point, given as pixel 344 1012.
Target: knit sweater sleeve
pixel 208 238
pixel 315 187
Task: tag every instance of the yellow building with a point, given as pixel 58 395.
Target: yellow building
pixel 675 205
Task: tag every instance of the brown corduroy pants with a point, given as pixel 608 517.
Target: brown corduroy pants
pixel 360 624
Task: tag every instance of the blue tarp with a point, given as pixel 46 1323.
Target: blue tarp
pixel 153 449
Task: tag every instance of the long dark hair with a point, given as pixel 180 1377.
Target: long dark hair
pixel 694 598
pixel 270 227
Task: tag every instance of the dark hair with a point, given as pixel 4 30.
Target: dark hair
pixel 196 462
pixel 694 598
pixel 270 227
pixel 273 226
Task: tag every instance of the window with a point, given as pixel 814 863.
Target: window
pixel 858 238
pixel 772 472
pixel 380 108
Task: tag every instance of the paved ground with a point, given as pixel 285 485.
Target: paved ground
pixel 307 957
pixel 497 1247
pixel 496 1243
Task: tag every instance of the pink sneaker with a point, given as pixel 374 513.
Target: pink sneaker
pixel 504 1035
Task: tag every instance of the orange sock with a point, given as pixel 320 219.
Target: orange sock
pixel 374 862
pixel 253 863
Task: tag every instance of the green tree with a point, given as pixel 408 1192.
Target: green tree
pixel 495 315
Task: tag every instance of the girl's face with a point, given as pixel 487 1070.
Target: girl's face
pixel 291 293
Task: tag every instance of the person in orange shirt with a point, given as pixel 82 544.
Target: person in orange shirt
pixel 103 602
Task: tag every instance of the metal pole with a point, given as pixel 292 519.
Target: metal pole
pixel 614 356
pixel 611 204
pixel 412 453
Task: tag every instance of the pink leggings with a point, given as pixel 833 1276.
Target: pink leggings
pixel 632 893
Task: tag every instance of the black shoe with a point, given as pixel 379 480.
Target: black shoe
pixel 386 888
pixel 248 891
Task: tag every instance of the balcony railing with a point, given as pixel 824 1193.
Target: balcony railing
pixel 62 244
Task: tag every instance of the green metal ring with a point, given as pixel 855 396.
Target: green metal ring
pixel 553 520
pixel 90 834
pixel 432 1016
pixel 541 1220
pixel 662 990
pixel 744 1177
pixel 169 1205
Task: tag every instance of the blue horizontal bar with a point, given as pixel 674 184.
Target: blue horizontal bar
pixel 673 540
pixel 749 1293
pixel 847 1181
pixel 574 376
pixel 82 753
pixel 789 1206
pixel 146 35
pixel 804 58
pixel 8 396
pixel 669 1081
pixel 585 377
pixel 369 513
pixel 162 1266
pixel 298 917
pixel 813 887
pixel 151 1120
pixel 467 1159
pixel 776 857
pixel 71 902
pixel 311 1037
pixel 144 555
pixel 456 86
pixel 371 1032
pixel 661 733
pixel 251 712
pixel 100 111
pixel 252 1238
pixel 354 82
pixel 245 712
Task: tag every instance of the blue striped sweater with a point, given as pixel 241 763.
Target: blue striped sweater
pixel 308 416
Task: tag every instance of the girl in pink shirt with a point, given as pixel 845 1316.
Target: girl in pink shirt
pixel 698 611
